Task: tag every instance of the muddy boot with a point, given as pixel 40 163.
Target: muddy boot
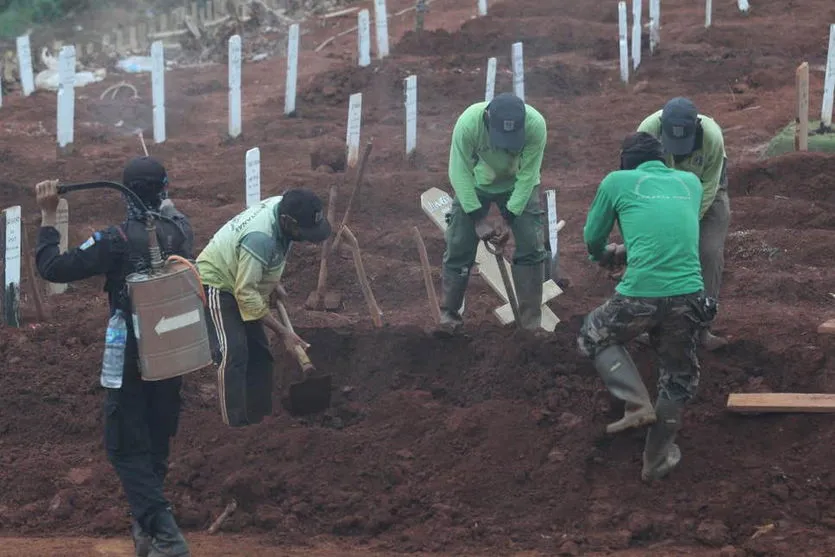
pixel 711 342
pixel 454 287
pixel 527 280
pixel 141 539
pixel 621 377
pixel 167 540
pixel 661 454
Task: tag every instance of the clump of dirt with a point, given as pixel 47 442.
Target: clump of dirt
pixel 806 176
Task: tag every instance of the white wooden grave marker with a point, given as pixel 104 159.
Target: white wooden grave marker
pixel 623 43
pixel 708 13
pixel 234 58
pixel 292 69
pixel 24 63
pixel 354 123
pixel 410 92
pixel 364 40
pixel 637 16
pixel 436 204
pixel 553 230
pixel 158 90
pixel 382 26
pixel 63 226
pixel 482 7
pixel 743 6
pixel 518 66
pixel 66 97
pixel 253 177
pixel 829 81
pixel 654 24
pixel 490 86
pixel 12 279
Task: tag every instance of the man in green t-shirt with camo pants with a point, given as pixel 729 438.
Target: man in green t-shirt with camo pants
pixel 693 142
pixel 495 157
pixel 661 293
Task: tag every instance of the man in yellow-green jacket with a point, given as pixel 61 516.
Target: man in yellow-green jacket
pixel 694 143
pixel 241 269
pixel 495 157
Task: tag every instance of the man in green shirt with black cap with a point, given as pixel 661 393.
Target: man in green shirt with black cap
pixel 495 157
pixel 693 142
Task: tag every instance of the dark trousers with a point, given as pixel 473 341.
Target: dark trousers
pixel 140 419
pixel 245 363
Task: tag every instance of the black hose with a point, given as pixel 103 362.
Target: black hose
pixel 67 188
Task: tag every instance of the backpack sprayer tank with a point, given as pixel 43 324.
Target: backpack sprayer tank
pixel 167 303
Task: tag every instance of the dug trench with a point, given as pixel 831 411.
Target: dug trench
pixel 429 445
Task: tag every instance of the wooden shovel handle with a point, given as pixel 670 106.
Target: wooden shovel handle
pixel 298 351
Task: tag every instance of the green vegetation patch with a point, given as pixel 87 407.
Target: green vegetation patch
pixel 820 141
pixel 17 15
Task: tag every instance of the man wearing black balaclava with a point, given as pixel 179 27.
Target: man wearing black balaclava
pixel 140 417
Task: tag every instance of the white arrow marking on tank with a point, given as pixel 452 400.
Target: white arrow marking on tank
pixel 168 324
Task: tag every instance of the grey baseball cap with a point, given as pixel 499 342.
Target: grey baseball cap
pixel 506 113
pixel 679 123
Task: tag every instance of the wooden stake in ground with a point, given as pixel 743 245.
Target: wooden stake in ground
pixel 373 308
pixel 216 525
pixel 360 173
pixel 63 226
pixel 320 298
pixel 34 288
pixel 427 276
pixel 801 135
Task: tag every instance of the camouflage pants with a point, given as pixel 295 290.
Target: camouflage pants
pixel 673 325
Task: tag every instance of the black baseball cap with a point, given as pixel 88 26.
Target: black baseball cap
pixel 506 117
pixel 679 123
pixel 305 207
pixel 146 170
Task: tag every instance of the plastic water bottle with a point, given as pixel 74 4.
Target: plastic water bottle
pixel 113 361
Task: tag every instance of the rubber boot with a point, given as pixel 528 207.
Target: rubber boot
pixel 141 539
pixel 454 286
pixel 621 377
pixel 711 342
pixel 661 454
pixel 528 282
pixel 167 540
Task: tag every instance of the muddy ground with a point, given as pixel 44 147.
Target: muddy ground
pixel 488 443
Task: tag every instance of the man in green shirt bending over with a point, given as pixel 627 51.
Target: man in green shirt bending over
pixel 694 142
pixel 495 157
pixel 661 292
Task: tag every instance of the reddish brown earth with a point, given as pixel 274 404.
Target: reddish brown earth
pixel 490 442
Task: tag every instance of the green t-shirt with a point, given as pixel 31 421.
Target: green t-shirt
pixel 473 164
pixel 657 210
pixel 705 162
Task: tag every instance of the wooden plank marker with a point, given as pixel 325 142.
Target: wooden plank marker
pixel 158 90
pixel 436 204
pixel 66 99
pixel 654 25
pixel 364 39
pixel 354 124
pixel 24 64
pixel 410 94
pixel 781 402
pixel 743 6
pixel 518 66
pixel 235 123
pixel 829 81
pixel 801 135
pixel 482 8
pixel 63 226
pixel 708 13
pixel 827 327
pixel 11 290
pixel 381 24
pixel 623 42
pixel 490 85
pixel 637 16
pixel 253 177
pixel 553 234
pixel 292 70
pixel 434 307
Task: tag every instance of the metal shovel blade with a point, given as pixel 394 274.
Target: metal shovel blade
pixel 311 395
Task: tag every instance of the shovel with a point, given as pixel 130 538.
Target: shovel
pixel 508 286
pixel 313 393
